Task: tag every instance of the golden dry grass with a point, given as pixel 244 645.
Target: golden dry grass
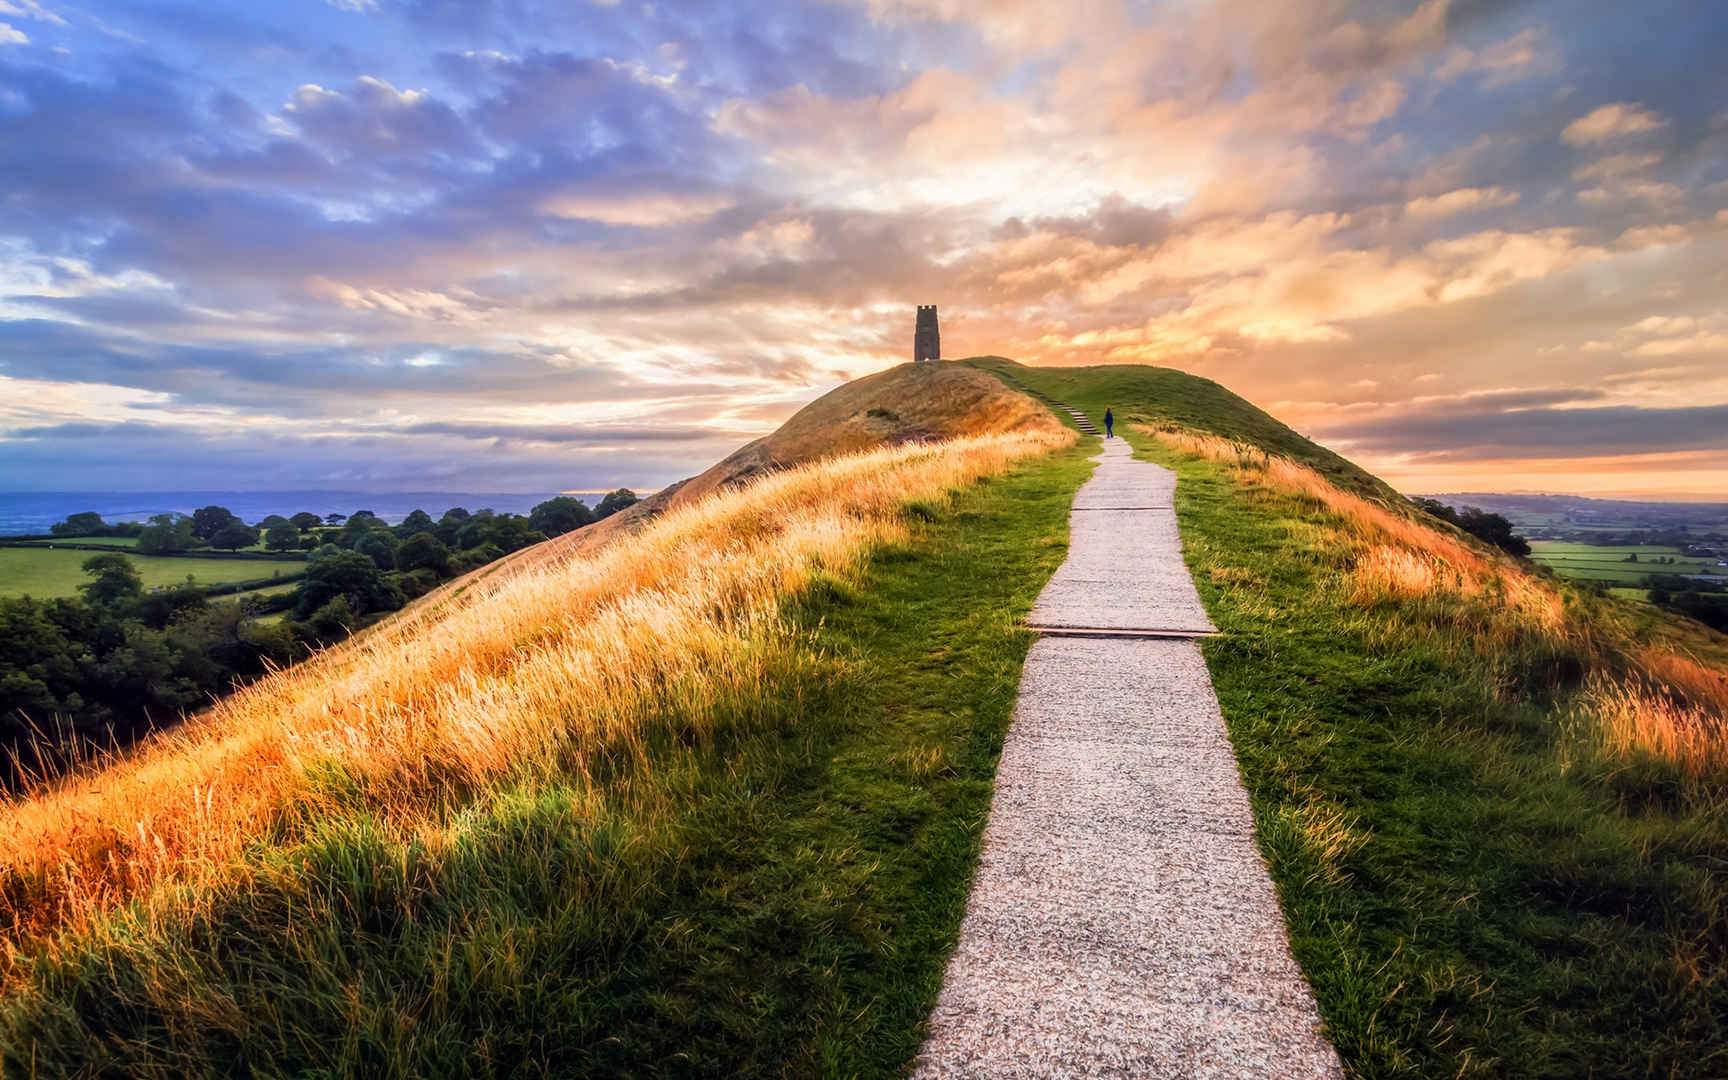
pixel 1638 720
pixel 550 670
pixel 1643 698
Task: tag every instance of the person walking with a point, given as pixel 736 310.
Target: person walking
pixel 1109 421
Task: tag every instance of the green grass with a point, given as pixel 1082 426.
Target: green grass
pixel 268 590
pixel 1141 394
pixel 129 542
pixel 94 541
pixel 774 899
pixel 45 573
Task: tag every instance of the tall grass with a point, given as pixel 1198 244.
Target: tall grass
pixel 563 670
pixel 1644 699
pixel 1636 721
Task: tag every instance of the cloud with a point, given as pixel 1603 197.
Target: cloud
pixel 1459 434
pixel 1699 344
pixel 11 36
pixel 568 433
pixel 1520 56
pixel 649 209
pixel 374 118
pixel 30 9
pixel 1611 122
pixel 1460 201
pixel 1615 166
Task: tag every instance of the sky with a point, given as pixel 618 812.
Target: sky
pixel 521 245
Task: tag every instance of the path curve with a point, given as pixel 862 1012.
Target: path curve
pixel 1122 922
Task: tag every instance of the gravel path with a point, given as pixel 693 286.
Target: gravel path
pixel 1122 922
pixel 1124 570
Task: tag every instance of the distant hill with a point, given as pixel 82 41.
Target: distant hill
pixel 1576 518
pixel 1580 507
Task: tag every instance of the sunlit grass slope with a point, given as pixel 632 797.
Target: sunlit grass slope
pixel 1142 394
pixel 1495 804
pixel 703 803
pixel 907 403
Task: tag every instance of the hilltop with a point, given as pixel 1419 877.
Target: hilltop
pixel 908 403
pixel 702 795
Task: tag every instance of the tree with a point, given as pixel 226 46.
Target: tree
pixel 362 523
pixel 1436 508
pixel 513 533
pixel 451 523
pixel 305 520
pixel 114 580
pixel 282 537
pixel 475 531
pixel 274 521
pixel 333 572
pixel 424 551
pixel 234 536
pixel 557 516
pixel 615 501
pixel 88 523
pixel 379 545
pixel 1492 528
pixel 417 522
pixel 335 519
pixel 332 622
pixel 166 534
pixel 160 607
pixel 209 521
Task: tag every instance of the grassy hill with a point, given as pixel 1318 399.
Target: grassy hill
pixel 1143 394
pixel 703 798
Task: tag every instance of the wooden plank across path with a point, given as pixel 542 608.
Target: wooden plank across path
pixel 1122 922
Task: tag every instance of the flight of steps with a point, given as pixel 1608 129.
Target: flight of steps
pixel 1080 419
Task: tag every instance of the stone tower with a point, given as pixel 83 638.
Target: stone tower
pixel 926 339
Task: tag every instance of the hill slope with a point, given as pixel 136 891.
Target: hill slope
pixel 908 403
pixel 1143 394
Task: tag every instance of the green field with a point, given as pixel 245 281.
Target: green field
pixel 1609 563
pixel 125 542
pixel 45 573
pixel 94 541
pixel 268 590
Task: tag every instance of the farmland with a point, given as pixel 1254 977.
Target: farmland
pixel 129 543
pixel 1612 566
pixel 45 573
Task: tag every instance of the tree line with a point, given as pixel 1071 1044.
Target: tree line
pixel 107 666
pixel 1490 528
pixel 1691 596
